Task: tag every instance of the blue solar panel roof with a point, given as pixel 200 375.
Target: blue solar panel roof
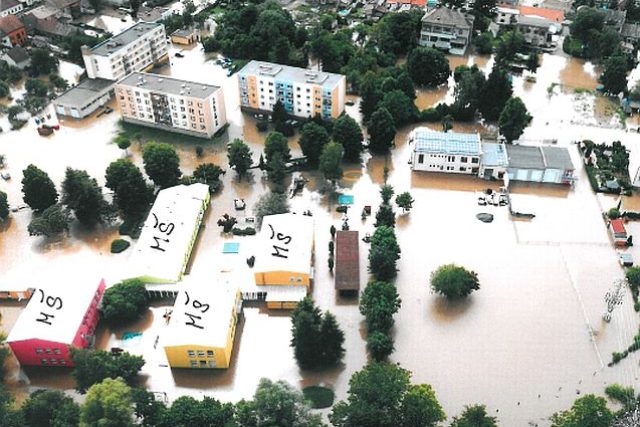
pixel 447 143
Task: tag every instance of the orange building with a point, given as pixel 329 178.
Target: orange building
pixel 12 32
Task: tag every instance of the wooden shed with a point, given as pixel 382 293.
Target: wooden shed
pixel 347 274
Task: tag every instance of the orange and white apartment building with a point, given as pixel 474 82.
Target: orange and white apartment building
pixel 304 93
pixel 170 104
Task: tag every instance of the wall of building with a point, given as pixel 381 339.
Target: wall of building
pixel 552 176
pixel 37 352
pixel 84 110
pixel 86 331
pixel 195 356
pixel 282 278
pixel 16 9
pixel 445 163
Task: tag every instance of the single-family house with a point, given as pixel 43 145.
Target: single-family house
pixel 185 36
pixel 18 57
pixel 12 31
pixel 447 29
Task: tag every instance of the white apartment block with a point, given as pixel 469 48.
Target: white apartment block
pixel 175 105
pixel 304 93
pixel 135 49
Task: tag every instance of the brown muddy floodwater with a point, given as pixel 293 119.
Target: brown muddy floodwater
pixel 526 345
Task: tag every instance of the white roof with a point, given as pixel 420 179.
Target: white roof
pixel 285 243
pixel 202 313
pixel 54 312
pixel 284 293
pixel 167 232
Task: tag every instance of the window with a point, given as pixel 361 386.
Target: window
pixel 62 361
pixel 474 160
pixel 194 364
pixel 212 364
pixel 191 353
pixel 200 353
pixel 48 351
pixel 56 351
pixel 420 158
pixel 463 159
pixel 463 169
pixel 38 351
pixel 451 158
pixel 209 353
pixel 44 362
pixel 203 363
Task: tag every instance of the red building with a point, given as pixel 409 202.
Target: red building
pixel 347 277
pixel 12 32
pixel 55 319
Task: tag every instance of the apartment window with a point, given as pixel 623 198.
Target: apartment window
pixel 209 353
pixel 56 351
pixel 463 159
pixel 474 160
pixel 54 361
pixel 463 169
pixel 191 353
pixel 48 351
pixel 451 158
pixel 194 364
pixel 44 362
pixel 193 125
pixel 420 158
pixel 212 364
pixel 202 127
pixel 200 353
pixel 203 363
pixel 63 362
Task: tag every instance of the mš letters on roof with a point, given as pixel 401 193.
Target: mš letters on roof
pixel 52 304
pixel 281 239
pixel 199 308
pixel 165 228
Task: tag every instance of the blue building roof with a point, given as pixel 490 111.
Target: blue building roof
pixel 428 141
pixel 494 154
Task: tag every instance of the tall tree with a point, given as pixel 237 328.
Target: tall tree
pixel 162 164
pixel 453 281
pixel 474 416
pixel 276 168
pixel 50 222
pixel 38 189
pixel 614 77
pixel 420 407
pixel 50 408
pixel 239 156
pixel 495 93
pixel 42 62
pixel 428 67
pixel 276 143
pixel 404 201
pixel 385 216
pixel 382 131
pixel 379 345
pixel 513 119
pixel 148 411
pixel 378 304
pixel 312 138
pixel 4 206
pixel 331 340
pixel 347 133
pixel 271 203
pixel 83 196
pixel 401 107
pixel 587 411
pixel 330 161
pixel 108 404
pixel 124 302
pixel 187 411
pixel 278 114
pixel 208 173
pixel 384 253
pixel 93 366
pixel 370 95
pixel 132 195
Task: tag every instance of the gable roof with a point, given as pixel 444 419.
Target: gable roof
pixel 8 4
pixel 10 23
pixel 617 226
pixel 446 16
pixel 18 54
pixel 535 157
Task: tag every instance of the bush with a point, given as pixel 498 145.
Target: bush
pixel 124 302
pixel 454 281
pixel 119 245
pixel 592 178
pixel 613 213
pixel 248 231
pixel 320 397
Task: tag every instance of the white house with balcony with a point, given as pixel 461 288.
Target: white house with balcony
pixel 447 29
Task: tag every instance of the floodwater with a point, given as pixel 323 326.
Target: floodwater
pixel 526 345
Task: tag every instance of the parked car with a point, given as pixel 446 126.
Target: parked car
pixel 5 175
pixel 179 55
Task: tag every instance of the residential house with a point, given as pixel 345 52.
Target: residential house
pixel 447 29
pixel 154 14
pixel 630 35
pixel 449 152
pixel 538 31
pixel 56 319
pixel 10 7
pixel 67 8
pixel 170 104
pixel 506 15
pixel 82 100
pixel 17 57
pixel 554 15
pixel 48 20
pixel 303 93
pixel 12 31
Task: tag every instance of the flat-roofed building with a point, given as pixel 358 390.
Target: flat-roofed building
pixel 170 104
pixel 494 162
pixel 449 152
pixel 169 233
pixel 82 100
pixel 135 49
pixel 56 319
pixel 540 164
pixel 303 93
pixel 283 267
pixel 202 328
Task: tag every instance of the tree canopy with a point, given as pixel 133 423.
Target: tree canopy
pixel 513 119
pixel 38 189
pixel 382 131
pixel 347 133
pixel 132 195
pixel 454 281
pixel 378 304
pixel 587 411
pixel 330 161
pixel 50 408
pixel 82 194
pixel 428 67
pixel 239 156
pixel 52 221
pixel 474 416
pixel 93 366
pixel 4 206
pixel 384 253
pixel 124 302
pixel 162 164
pixel 271 203
pixel 614 77
pixel 108 404
pixel 208 173
pixel 313 138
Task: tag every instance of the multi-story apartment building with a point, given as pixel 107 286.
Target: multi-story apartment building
pixel 446 29
pixel 304 93
pixel 135 49
pixel 166 103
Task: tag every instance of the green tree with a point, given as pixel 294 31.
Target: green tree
pixel 484 43
pixel 587 411
pixel 42 62
pixel 382 131
pixel 108 404
pixel 186 411
pixel 124 302
pixel 405 84
pixel 276 143
pixel 384 253
pixel 474 416
pixel 123 142
pixel 36 87
pixel 330 161
pixel 378 304
pixel 132 195
pixel 93 366
pixel 585 22
pixel 208 173
pixel 401 107
pixel 385 216
pixel 9 415
pixel 484 8
pixel 4 206
pixel 404 201
pixel 374 398
pixel 513 119
pixel 379 345
pixel 370 95
pixel 38 189
pixel 509 45
pixel 162 164
pixel 276 168
pixel 313 138
pixel 614 77
pixel 5 90
pixel 83 196
pixel 52 221
pixel 331 340
pixel 276 404
pixel 147 409
pixel 239 156
pixel 495 94
pixel 386 193
pixel 428 67
pixel 270 204
pixel 50 408
pixel 453 281
pixel 347 133
pixel 279 114
pixel 420 407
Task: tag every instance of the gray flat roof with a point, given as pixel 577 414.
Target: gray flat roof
pixel 523 157
pixel 81 94
pixel 169 85
pixel 288 73
pixel 124 38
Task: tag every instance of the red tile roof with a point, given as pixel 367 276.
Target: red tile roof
pixel 347 261
pixel 550 14
pixel 9 24
pixel 617 225
pixel 419 3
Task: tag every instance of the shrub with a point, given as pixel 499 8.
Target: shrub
pixel 319 397
pixel 613 213
pixel 124 302
pixel 454 281
pixel 119 245
pixel 248 231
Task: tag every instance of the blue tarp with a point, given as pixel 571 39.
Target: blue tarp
pixel 345 199
pixel 231 248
